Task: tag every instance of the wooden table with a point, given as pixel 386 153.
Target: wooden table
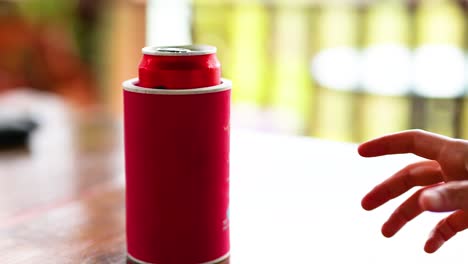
pixel 293 200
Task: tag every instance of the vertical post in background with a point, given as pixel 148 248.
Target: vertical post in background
pixel 439 63
pixel 250 62
pixel 417 113
pixel 291 88
pixel 335 68
pixel 314 47
pixel 127 37
pixel 386 69
pixel 212 24
pixel 464 114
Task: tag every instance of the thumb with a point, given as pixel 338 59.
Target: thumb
pixel 445 197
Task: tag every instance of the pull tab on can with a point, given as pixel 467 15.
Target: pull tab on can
pixel 179 67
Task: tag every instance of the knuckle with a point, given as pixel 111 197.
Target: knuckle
pixel 456 193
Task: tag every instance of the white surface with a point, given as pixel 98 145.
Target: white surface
pixel 297 200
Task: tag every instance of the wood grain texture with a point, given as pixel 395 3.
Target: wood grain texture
pixel 65 204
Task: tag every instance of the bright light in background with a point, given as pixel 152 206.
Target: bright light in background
pixel 391 69
pixel 337 68
pixel 386 69
pixel 439 71
pixel 168 23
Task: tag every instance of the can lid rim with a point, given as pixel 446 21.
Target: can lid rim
pixel 130 85
pixel 184 50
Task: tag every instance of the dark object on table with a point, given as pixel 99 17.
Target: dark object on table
pixel 14 133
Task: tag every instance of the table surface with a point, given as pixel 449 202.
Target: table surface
pixel 293 200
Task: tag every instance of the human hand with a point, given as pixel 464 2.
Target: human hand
pixel 444 177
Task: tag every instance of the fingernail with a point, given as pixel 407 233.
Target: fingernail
pixel 433 199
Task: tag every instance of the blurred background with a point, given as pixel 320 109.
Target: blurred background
pixel 338 70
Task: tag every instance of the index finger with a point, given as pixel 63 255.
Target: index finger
pixel 422 143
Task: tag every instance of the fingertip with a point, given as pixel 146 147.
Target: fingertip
pixel 434 242
pixel 386 232
pixel 366 205
pixel 432 246
pixel 363 150
pixel 372 200
pixel 428 249
pixel 373 148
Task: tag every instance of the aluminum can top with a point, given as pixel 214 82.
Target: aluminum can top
pixel 185 50
pixel 179 67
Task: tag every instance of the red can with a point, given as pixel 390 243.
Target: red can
pixel 176 124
